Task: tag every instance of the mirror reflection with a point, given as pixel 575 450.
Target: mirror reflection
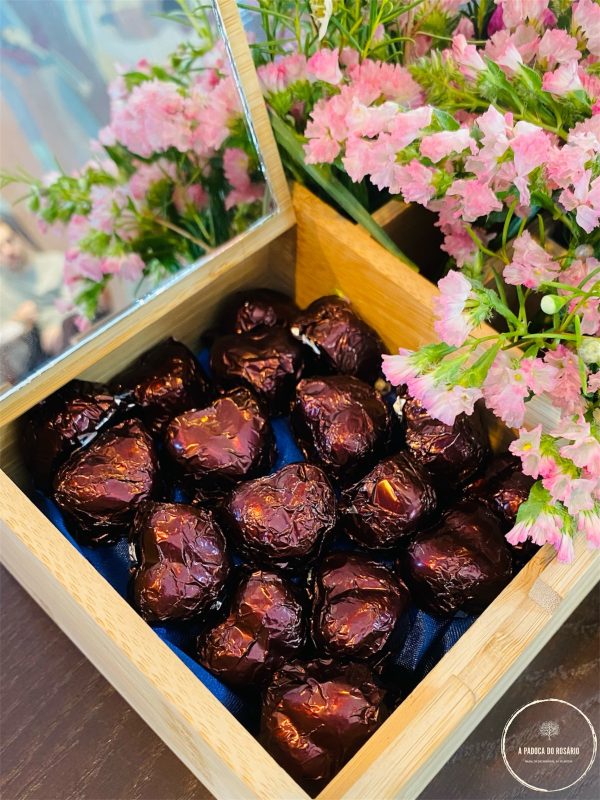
pixel 125 157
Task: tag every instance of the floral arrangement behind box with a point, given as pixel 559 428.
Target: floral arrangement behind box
pixel 501 138
pixel 173 175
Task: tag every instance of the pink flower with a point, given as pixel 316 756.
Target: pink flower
pixel 585 449
pixel 406 127
pixel 399 369
pixel 276 76
pixel 192 196
pixel 585 198
pixel 439 145
pixel 565 165
pixel 235 167
pixel 378 80
pixel 152 119
pixel 132 267
pixel 80 265
pixel 565 552
pixel 589 313
pixel 414 182
pixel 452 325
pixel 527 448
pixel 514 12
pixel 503 51
pixel 465 27
pixel 544 529
pixel 478 200
pixel 505 389
pixel 324 66
pixel 148 174
pixel 531 147
pixel 579 495
pixel 588 523
pixel 459 245
pixel 557 47
pixel 586 15
pixel 563 80
pixel 567 392
pixel 539 376
pixel 466 56
pixel 531 265
pixel 446 404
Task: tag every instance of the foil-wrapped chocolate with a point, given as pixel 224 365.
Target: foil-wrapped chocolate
pixel 165 381
pixel 357 608
pixel 67 420
pixel 342 340
pixel 316 715
pixel 390 503
pixel 253 309
pixel 181 561
pixel 227 441
pixel 268 361
pixel 503 486
pixel 283 518
pixel 461 563
pixel 451 453
pixel 341 423
pixel 264 629
pixel 101 488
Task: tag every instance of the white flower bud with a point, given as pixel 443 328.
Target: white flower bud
pixel 589 350
pixel 552 303
pixel 584 251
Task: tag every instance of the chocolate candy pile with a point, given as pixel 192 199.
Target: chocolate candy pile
pixel 296 579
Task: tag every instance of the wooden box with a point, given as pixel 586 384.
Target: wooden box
pixel 322 254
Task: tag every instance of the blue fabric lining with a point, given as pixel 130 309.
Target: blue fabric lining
pixel 427 640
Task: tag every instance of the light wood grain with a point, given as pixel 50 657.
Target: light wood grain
pixel 331 255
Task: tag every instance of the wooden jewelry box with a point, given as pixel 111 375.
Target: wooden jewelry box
pixel 317 254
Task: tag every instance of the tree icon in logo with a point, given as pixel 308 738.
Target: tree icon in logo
pixel 549 729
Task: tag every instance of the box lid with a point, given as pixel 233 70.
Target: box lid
pixel 119 327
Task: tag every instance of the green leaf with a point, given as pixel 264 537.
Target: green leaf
pixel 475 375
pixel 444 120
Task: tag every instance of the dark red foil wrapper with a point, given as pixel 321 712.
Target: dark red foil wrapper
pixel 502 488
pixel 451 453
pixel 67 420
pixel 390 503
pixel 164 382
pixel 254 309
pixel 264 629
pixel 357 607
pixel 343 341
pixel 316 715
pixel 283 518
pixel 225 442
pixel 101 488
pixel 341 423
pixel 460 564
pixel 269 362
pixel 182 561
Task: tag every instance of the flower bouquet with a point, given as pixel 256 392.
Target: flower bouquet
pixel 502 140
pixel 174 174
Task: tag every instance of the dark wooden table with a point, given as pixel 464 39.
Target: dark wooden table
pixel 67 735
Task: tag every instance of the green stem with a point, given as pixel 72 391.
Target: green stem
pixel 290 142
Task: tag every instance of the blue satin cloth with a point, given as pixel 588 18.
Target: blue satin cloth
pixel 427 639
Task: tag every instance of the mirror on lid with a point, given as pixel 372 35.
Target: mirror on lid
pixel 129 160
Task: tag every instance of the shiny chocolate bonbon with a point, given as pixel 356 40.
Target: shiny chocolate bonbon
pixel 67 420
pixel 283 518
pixel 101 487
pixel 166 381
pixel 268 361
pixel 459 564
pixel 227 441
pixel 265 627
pixel 390 503
pixel 181 561
pixel 357 607
pixel 343 341
pixel 341 423
pixel 316 715
pixel 253 309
